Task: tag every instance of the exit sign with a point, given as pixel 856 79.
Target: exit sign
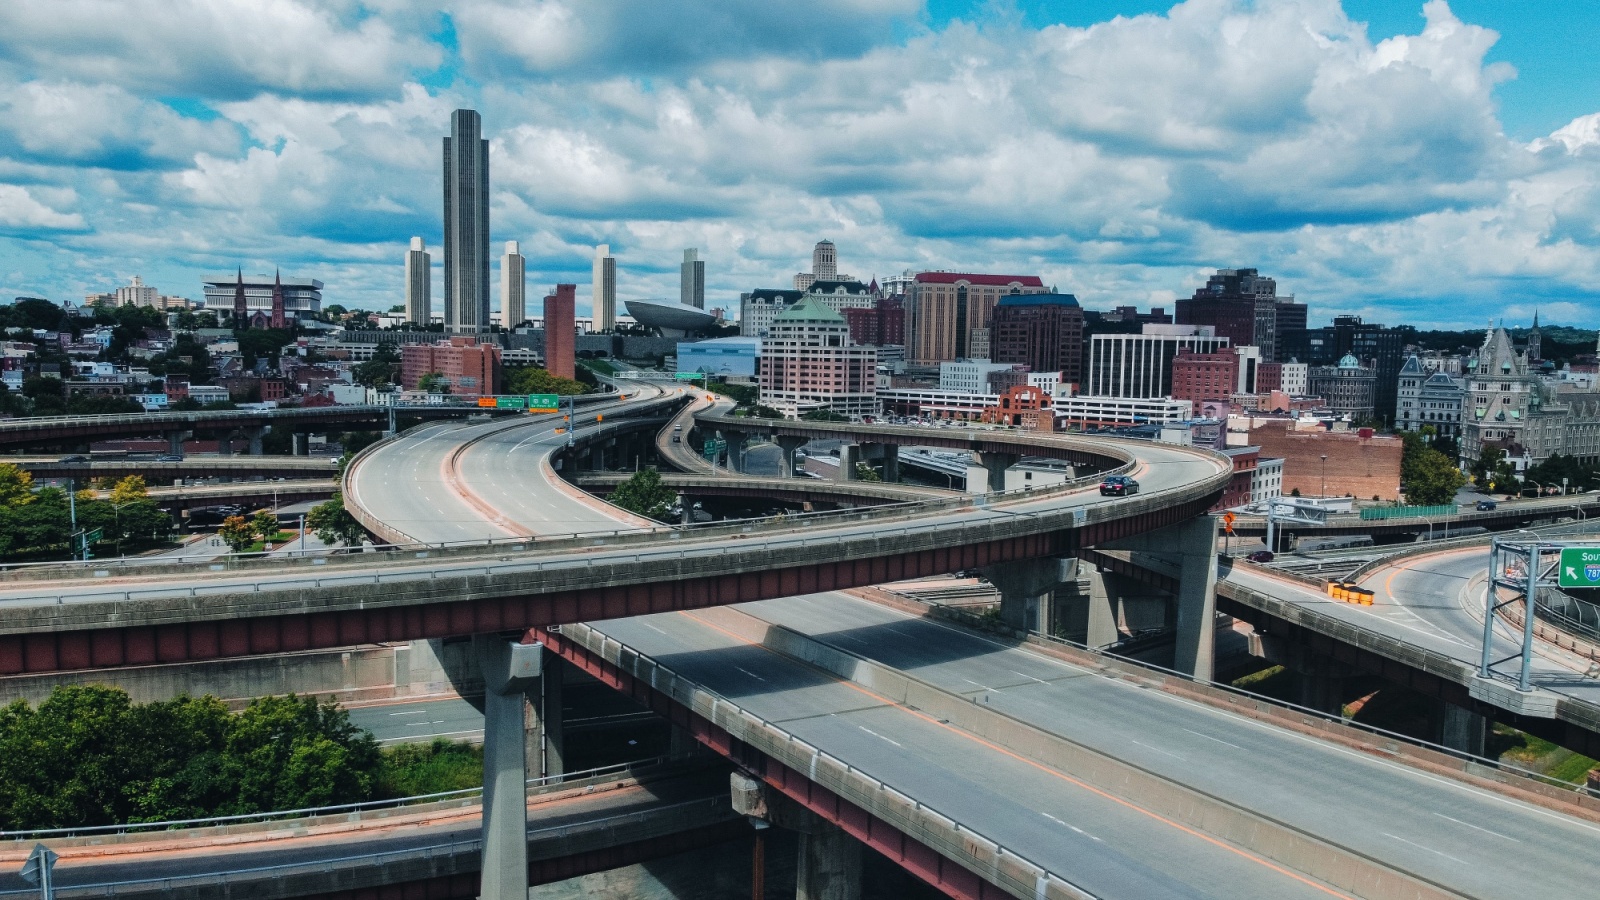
pixel 1580 567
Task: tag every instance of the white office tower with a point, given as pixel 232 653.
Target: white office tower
pixel 513 287
pixel 825 261
pixel 466 224
pixel 604 310
pixel 692 279
pixel 419 283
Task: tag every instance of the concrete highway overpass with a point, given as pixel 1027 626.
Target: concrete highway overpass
pixel 196 466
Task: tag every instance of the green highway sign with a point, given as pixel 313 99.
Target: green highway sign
pixel 1580 567
pixel 544 402
pixel 91 537
pixel 511 402
pixel 688 376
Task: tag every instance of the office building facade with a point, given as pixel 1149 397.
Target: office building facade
pixel 561 331
pixel 513 287
pixel 1349 388
pixel 1427 398
pixel 808 363
pixel 604 309
pixel 1139 366
pixel 1241 305
pixel 466 224
pixel 233 295
pixel 942 309
pixel 881 325
pixel 1042 331
pixel 692 279
pixel 466 365
pixel 419 284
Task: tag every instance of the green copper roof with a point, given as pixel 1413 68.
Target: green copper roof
pixel 809 310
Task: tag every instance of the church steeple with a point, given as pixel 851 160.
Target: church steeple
pixel 241 310
pixel 277 300
pixel 1535 339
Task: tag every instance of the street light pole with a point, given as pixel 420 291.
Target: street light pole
pixel 1324 476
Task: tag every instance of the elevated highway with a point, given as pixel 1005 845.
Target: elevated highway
pixel 87 617
pixel 1506 514
pixel 155 471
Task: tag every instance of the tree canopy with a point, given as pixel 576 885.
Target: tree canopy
pixel 1429 477
pixel 643 493
pixel 534 380
pixel 333 523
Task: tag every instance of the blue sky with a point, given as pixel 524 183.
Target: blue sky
pixel 1431 163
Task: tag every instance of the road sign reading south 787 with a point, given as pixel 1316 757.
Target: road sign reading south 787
pixel 1580 567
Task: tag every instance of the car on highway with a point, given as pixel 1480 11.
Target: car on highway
pixel 1118 486
pixel 170 457
pixel 1260 556
pixel 74 458
pixel 1486 505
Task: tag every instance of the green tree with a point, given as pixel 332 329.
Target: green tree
pixel 333 523
pixel 434 383
pixel 237 533
pixel 381 369
pixel 16 485
pixel 534 380
pixel 1430 478
pixel 294 752
pixel 264 524
pixel 865 472
pixel 824 415
pixel 643 493
pixel 1493 472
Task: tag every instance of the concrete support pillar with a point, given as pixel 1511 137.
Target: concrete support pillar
pixel 225 444
pixel 301 443
pixel 1196 543
pixel 508 669
pixel 996 465
pixel 849 455
pixel 829 864
pixel 891 462
pixel 175 441
pixel 255 436
pixel 1460 728
pixel 549 732
pixel 1086 608
pixel 735 440
pixel 789 445
pixel 1026 588
pixel 687 506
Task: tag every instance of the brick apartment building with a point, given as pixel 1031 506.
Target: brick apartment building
pixel 881 325
pixel 1041 331
pixel 560 331
pixel 944 308
pixel 468 366
pixel 1198 377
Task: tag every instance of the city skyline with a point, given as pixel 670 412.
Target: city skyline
pixel 1399 172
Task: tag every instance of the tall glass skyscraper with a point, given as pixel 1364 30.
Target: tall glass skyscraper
pixel 466 224
pixel 419 283
pixel 604 309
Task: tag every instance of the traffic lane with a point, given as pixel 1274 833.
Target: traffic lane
pixel 1100 842
pixel 404 483
pixel 506 471
pixel 420 720
pixel 82 866
pixel 1309 784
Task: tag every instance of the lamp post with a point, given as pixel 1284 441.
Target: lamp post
pixel 1324 476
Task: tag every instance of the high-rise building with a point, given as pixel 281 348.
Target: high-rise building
pixel 759 307
pixel 692 279
pixel 1380 347
pixel 513 287
pixel 604 310
pixel 466 224
pixel 1042 331
pixel 419 284
pixel 808 363
pixel 1198 377
pixel 1291 316
pixel 560 330
pixel 1241 305
pixel 824 267
pixel 877 326
pixel 942 309
pixel 1140 365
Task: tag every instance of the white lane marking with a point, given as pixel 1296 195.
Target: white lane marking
pixel 1210 738
pixel 424 724
pixel 879 736
pixel 750 673
pixel 652 628
pixel 984 686
pixel 1071 826
pixel 1158 750
pixel 1026 675
pixel 1477 828
pixel 413 712
pixel 1402 840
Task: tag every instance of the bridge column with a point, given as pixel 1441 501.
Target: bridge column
pixel 996 464
pixel 300 443
pixel 545 736
pixel 849 455
pixel 225 443
pixel 175 441
pixel 829 864
pixel 1193 546
pixel 508 669
pixel 735 440
pixel 1086 607
pixel 255 435
pixel 1026 588
pixel 1459 728
pixel 891 462
pixel 789 445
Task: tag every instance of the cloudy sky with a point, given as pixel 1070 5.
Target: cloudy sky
pixel 1433 164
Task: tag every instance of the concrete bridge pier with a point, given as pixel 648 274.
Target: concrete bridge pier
pixel 1026 589
pixel 225 443
pixel 1319 683
pixel 509 668
pixel 735 441
pixel 996 465
pixel 545 734
pixel 1459 728
pixel 849 455
pixel 255 436
pixel 829 864
pixel 175 441
pixel 1086 607
pixel 789 445
pixel 885 458
pixel 300 444
pixel 1193 546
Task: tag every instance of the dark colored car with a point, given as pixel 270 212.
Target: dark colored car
pixel 1486 505
pixel 170 457
pixel 1118 486
pixel 1260 556
pixel 74 458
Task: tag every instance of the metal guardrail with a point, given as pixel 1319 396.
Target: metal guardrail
pixel 620 828
pixel 315 811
